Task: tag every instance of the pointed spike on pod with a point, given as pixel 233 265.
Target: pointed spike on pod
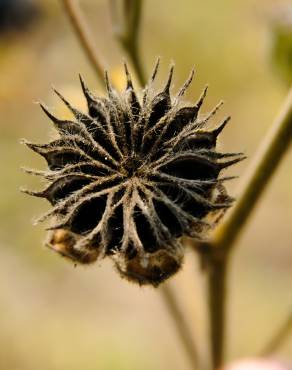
pixel 64 100
pixel 108 85
pixel 155 70
pixel 23 141
pixel 228 155
pixel 45 216
pixel 35 222
pixel 78 114
pixel 31 171
pixel 26 170
pixel 220 128
pixel 39 194
pixel 151 80
pixel 35 147
pixel 53 118
pixel 128 76
pixel 59 123
pixel 169 80
pixel 83 84
pixel 25 191
pixel 213 111
pixel 186 84
pixel 230 163
pixel 40 149
pixel 91 100
pixel 202 98
pixel 85 89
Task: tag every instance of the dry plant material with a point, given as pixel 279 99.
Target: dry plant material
pixel 132 176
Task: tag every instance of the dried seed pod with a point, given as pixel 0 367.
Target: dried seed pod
pixel 130 177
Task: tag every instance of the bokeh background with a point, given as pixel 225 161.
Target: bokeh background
pixel 54 316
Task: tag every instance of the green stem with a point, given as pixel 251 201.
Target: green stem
pixel 126 26
pixel 217 303
pixel 83 34
pixel 181 326
pixel 264 165
pixel 267 160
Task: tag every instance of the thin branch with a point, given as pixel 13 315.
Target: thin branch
pixel 279 338
pixel 217 306
pixel 126 27
pixel 181 326
pixel 267 160
pixel 84 36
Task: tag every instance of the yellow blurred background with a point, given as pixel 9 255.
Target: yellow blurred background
pixel 54 316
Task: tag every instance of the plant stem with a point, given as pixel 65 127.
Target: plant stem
pixel 181 326
pixel 126 26
pixel 280 336
pixel 217 303
pixel 266 162
pixel 83 33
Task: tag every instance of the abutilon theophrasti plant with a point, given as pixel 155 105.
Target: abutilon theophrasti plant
pixel 132 176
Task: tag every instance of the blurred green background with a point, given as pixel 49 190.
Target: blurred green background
pixel 54 316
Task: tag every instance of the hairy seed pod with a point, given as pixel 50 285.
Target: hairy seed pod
pixel 131 177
